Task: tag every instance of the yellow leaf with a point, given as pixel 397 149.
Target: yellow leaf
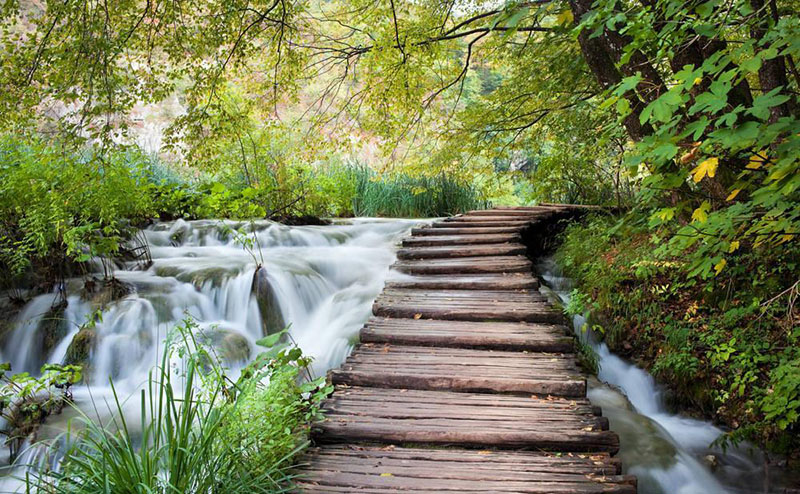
pixel 756 162
pixel 720 266
pixel 564 18
pixel 706 168
pixel 387 474
pixel 417 316
pixel 701 214
pixel 733 194
pixel 734 246
pixel 697 80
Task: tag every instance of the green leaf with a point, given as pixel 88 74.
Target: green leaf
pixel 271 340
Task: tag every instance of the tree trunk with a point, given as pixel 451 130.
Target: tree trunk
pixel 772 74
pixel 602 65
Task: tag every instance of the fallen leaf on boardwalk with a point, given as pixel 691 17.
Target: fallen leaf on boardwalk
pixel 590 428
pixel 387 474
pixel 484 452
pixel 417 316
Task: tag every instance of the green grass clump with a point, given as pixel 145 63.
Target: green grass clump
pixel 413 197
pixel 198 431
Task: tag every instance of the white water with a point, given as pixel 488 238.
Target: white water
pixel 325 279
pixel 669 453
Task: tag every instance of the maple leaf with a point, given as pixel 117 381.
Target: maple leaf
pixel 707 168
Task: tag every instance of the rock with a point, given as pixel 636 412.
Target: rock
pixel 303 220
pixel 271 317
pixel 53 328
pixel 229 344
pixel 102 292
pixel 235 348
pixel 215 274
pixel 81 347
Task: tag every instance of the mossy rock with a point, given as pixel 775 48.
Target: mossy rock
pixel 102 292
pixel 53 328
pixel 272 320
pixel 230 345
pixel 215 274
pixel 235 348
pixel 81 347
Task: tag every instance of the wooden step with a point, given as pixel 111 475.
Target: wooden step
pixel 463 419
pixel 430 241
pixel 442 252
pixel 499 281
pixel 517 213
pixel 466 265
pixel 488 223
pixel 467 305
pixel 450 230
pixel 459 369
pixel 354 468
pixel 515 219
pixel 465 334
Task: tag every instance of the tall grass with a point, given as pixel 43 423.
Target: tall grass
pixel 412 197
pixel 212 435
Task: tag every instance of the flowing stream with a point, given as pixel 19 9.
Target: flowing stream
pixel 320 280
pixel 668 452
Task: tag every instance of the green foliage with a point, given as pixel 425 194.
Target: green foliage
pixel 199 430
pixel 57 205
pixel 26 401
pixel 727 346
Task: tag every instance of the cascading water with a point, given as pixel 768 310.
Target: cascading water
pixel 669 453
pixel 320 280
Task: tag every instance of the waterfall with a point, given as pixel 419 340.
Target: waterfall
pixel 324 279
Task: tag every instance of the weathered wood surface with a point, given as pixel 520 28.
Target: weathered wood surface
pixel 451 240
pixel 464 356
pixel 466 265
pixel 495 281
pixel 463 334
pixel 506 249
pixel 466 305
pixel 457 230
pixel 392 469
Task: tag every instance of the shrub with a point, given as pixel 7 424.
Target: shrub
pixel 727 346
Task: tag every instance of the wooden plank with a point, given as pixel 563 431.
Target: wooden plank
pixel 466 305
pixel 465 370
pixel 502 218
pixel 442 231
pixel 507 249
pixel 464 334
pixel 391 415
pixel 466 265
pixel 580 464
pixel 395 469
pixel 517 213
pixel 498 281
pixel 520 224
pixel 433 240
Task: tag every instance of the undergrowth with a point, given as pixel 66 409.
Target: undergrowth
pixel 726 346
pixel 197 431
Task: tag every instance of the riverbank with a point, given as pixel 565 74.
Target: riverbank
pixel 725 346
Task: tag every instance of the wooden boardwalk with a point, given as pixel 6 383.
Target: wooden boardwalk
pixel 464 380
